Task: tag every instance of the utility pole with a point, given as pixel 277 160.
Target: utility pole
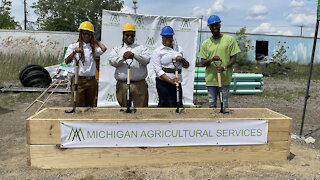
pixel 135 5
pixel 25 14
pixel 301 31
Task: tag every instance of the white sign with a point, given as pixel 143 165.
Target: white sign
pixel 148 29
pixel 160 134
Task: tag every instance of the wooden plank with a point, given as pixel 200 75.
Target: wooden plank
pixel 192 114
pixel 48 132
pixel 49 156
pixel 278 136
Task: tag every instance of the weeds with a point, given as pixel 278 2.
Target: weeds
pixel 11 64
pixel 284 94
pixel 291 70
pixel 20 97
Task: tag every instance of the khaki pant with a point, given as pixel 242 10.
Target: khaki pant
pixel 87 90
pixel 138 93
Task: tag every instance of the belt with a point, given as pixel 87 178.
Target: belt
pixel 169 70
pixel 125 81
pixel 87 77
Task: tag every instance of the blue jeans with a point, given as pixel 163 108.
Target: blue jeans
pixel 168 94
pixel 213 92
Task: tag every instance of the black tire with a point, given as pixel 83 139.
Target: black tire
pixel 35 74
pixel 39 82
pixel 31 67
pixel 26 69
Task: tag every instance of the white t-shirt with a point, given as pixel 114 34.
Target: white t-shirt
pixel 162 57
pixel 88 68
pixel 138 68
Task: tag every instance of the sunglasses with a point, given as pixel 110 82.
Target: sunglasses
pixel 86 33
pixel 132 35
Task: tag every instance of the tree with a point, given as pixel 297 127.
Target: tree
pixel 66 15
pixel 6 21
pixel 244 45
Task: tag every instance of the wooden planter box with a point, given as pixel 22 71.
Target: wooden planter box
pixel 43 138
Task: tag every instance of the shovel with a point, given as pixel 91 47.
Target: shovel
pixel 219 85
pixel 177 84
pixel 128 90
pixel 76 78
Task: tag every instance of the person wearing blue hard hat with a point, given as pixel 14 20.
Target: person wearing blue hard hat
pixel 165 59
pixel 218 55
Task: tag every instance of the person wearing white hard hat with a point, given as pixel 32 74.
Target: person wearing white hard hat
pixel 85 51
pixel 165 59
pixel 218 55
pixel 137 57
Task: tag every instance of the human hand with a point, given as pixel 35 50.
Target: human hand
pixel 178 58
pixel 216 58
pixel 77 50
pixel 128 55
pixel 173 81
pixel 219 69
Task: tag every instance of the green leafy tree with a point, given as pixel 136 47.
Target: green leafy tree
pixel 279 56
pixel 66 15
pixel 244 45
pixel 277 66
pixel 6 20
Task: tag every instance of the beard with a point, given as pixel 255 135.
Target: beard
pixel 215 32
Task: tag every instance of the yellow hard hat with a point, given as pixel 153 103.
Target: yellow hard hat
pixel 86 25
pixel 128 27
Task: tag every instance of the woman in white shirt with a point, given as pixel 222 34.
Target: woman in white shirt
pixel 164 67
pixel 85 51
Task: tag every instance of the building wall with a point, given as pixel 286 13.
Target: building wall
pixel 38 42
pixel 300 48
pixel 53 42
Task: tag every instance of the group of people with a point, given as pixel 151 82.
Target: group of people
pixel 166 61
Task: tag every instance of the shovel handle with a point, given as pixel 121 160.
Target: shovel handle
pixel 177 76
pixel 219 80
pixel 76 77
pixel 128 76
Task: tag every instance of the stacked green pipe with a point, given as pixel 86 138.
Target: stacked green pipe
pixel 242 83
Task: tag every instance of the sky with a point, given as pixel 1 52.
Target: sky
pixel 281 17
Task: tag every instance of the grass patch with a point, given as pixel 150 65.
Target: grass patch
pixel 13 63
pixel 281 94
pixel 290 70
pixel 10 98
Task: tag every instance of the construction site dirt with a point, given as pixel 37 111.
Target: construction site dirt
pixel 281 95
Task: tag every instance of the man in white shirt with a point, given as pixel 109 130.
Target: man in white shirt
pixel 85 51
pixel 140 57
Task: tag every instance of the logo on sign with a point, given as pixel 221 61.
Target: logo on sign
pixel 161 23
pixel 150 82
pixel 185 26
pixel 75 135
pixel 114 20
pixel 150 42
pixel 111 97
pixel 185 23
pixel 139 20
pixel 139 23
pixel 156 99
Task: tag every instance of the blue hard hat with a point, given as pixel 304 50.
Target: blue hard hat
pixel 213 19
pixel 167 30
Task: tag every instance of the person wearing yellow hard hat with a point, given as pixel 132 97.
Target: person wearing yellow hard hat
pixel 83 53
pixel 137 57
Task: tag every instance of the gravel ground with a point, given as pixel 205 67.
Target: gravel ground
pixel 283 96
